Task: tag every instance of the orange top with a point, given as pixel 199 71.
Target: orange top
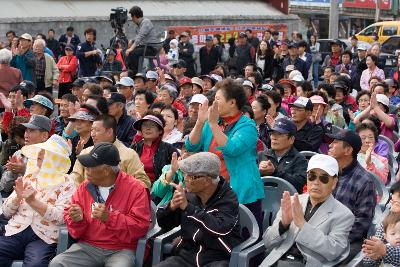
pixel 226 122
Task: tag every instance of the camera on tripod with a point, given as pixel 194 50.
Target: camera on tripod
pixel 118 17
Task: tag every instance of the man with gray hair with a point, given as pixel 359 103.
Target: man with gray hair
pixel 109 213
pixel 207 210
pixel 9 76
pixel 46 71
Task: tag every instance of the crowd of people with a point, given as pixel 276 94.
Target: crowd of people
pixel 91 139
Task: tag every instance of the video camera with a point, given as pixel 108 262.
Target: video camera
pixel 118 17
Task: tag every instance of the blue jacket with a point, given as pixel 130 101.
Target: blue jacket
pixel 87 65
pixel 25 63
pixel 240 157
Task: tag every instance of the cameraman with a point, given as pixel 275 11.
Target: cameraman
pixel 145 34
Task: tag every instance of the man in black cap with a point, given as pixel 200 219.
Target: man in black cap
pixel 245 53
pixel 77 88
pixel 293 59
pixel 116 108
pixel 37 131
pixel 283 160
pixel 105 80
pixel 179 69
pixel 355 188
pixel 209 55
pixel 207 210
pixel 186 50
pixel 334 58
pixel 308 136
pixel 109 212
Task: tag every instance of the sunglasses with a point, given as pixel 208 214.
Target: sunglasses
pixel 323 178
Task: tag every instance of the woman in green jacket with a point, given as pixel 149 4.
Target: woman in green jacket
pixel 224 130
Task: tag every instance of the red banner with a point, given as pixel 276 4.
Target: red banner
pixel 199 33
pixel 370 4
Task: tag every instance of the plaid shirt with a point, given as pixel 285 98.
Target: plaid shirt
pixel 356 190
pixel 392 253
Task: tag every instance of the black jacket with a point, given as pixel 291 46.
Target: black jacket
pixel 208 231
pixel 54 46
pixel 187 56
pixel 292 166
pixel 64 39
pixel 299 65
pixel 360 66
pixel 162 157
pixel 87 65
pixel 208 61
pixel 309 138
pixel 125 130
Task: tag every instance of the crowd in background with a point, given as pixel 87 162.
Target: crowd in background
pixel 89 137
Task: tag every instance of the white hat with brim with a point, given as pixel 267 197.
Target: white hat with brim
pixel 325 163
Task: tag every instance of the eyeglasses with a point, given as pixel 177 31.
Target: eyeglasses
pixel 191 178
pixel 176 66
pixel 323 178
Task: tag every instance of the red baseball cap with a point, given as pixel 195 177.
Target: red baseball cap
pixel 184 80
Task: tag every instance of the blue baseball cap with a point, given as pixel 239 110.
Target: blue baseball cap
pixel 284 126
pixel 44 101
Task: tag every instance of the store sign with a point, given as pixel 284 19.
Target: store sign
pixel 199 33
pixel 313 3
pixel 369 4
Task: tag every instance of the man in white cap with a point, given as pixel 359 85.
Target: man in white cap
pixel 23 57
pixel 360 65
pixel 125 88
pixel 313 228
pixel 152 81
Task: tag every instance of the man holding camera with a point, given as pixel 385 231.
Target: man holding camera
pixel 145 34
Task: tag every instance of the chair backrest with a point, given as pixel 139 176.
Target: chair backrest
pixel 381 190
pixel 153 215
pixel 274 188
pixel 248 224
pixel 388 141
pixel 308 154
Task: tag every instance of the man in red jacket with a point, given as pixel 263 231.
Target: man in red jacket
pixel 110 211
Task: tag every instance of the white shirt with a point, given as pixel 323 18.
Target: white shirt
pixel 174 136
pixel 105 191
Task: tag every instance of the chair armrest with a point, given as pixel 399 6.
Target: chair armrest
pixel 356 260
pixel 62 245
pixel 236 250
pixel 249 253
pixel 141 245
pixel 160 241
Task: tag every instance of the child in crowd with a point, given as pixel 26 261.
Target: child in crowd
pixel 173 53
pixel 391 227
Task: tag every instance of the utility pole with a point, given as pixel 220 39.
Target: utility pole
pixel 334 19
pixel 378 10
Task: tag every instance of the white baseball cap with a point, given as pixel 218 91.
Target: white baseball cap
pixel 126 81
pixel 384 100
pixel 198 98
pixel 325 163
pixel 248 83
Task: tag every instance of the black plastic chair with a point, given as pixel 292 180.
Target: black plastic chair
pixel 247 221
